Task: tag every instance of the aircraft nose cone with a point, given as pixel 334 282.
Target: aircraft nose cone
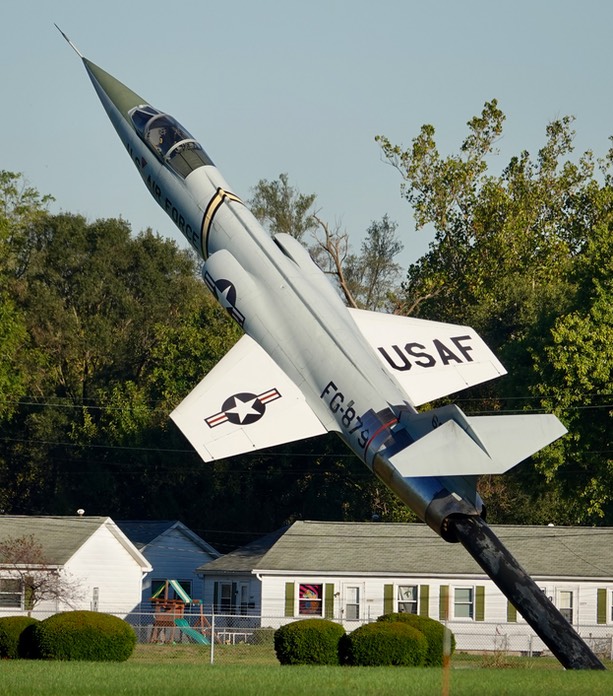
pixel 108 86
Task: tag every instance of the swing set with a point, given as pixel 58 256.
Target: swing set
pixel 169 616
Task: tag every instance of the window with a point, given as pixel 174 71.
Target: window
pixel 565 604
pixel 169 140
pixel 225 598
pixel 352 603
pixel 407 599
pixel 463 603
pixel 310 600
pixel 10 593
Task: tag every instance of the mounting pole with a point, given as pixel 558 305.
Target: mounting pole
pixel 525 595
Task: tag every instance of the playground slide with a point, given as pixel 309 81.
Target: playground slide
pixel 196 636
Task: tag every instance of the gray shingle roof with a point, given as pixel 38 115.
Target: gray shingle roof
pixel 247 557
pixel 60 537
pixel 143 532
pixel 414 549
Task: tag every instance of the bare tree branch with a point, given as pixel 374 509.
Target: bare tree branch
pixel 24 559
pixel 336 246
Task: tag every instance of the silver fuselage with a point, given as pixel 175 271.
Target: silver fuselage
pixel 292 311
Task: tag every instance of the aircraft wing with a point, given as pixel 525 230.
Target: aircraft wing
pixel 430 359
pixel 246 402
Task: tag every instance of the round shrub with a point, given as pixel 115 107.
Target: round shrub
pixel 308 642
pixel 385 644
pixel 432 629
pixel 12 644
pixel 83 635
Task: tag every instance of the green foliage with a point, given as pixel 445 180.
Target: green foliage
pixel 372 275
pixel 83 635
pixel 525 257
pixel 119 329
pixel 12 341
pixel 13 644
pixel 282 207
pixel 308 642
pixel 385 644
pixel 433 630
pixel 21 207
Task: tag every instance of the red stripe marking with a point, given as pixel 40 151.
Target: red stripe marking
pixel 385 425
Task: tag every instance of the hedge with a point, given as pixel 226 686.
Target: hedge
pixel 83 635
pixel 13 642
pixel 385 644
pixel 432 629
pixel 308 642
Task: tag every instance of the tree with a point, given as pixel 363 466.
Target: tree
pixel 525 258
pixel 282 208
pixel 100 308
pixel 373 274
pixel 502 244
pixel 364 280
pixel 21 207
pixel 574 367
pixel 24 560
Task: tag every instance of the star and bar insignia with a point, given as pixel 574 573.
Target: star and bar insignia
pixel 243 408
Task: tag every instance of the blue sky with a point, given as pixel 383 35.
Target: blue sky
pixel 303 88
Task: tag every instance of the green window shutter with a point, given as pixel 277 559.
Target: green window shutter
pixel 511 613
pixel 215 596
pixel 289 599
pixel 388 599
pixel 480 603
pixel 329 600
pixel 424 600
pixel 601 606
pixel 443 603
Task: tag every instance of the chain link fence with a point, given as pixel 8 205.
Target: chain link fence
pixel 232 636
pixel 223 638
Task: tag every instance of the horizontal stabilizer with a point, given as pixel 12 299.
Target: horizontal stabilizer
pixel 449 451
pixel 246 402
pixel 429 359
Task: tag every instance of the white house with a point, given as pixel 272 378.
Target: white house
pixel 174 552
pixel 354 572
pixel 100 568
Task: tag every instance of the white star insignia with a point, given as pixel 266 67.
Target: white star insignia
pixel 243 409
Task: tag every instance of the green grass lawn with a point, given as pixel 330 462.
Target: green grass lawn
pixel 177 670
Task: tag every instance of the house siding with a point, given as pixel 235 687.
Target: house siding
pixel 253 591
pixel 104 572
pixel 379 595
pixel 370 562
pixel 103 563
pixel 175 557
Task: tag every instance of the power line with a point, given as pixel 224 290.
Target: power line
pixel 95 405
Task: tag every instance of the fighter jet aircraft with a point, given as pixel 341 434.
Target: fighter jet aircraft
pixel 307 364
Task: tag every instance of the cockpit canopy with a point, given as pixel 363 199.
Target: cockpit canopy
pixel 168 139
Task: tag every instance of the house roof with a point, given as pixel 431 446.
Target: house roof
pixel 143 532
pixel 378 548
pixel 61 537
pixel 246 558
